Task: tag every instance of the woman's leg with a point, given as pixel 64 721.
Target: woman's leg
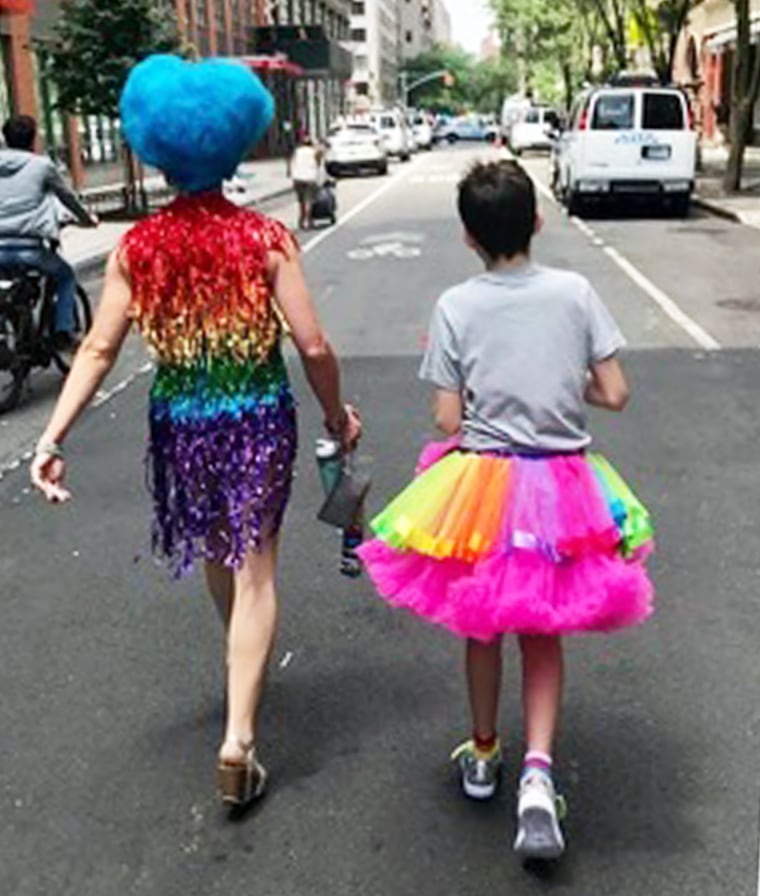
pixel 542 690
pixel 221 583
pixel 250 637
pixel 484 683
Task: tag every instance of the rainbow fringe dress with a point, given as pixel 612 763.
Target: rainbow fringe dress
pixel 222 422
pixel 490 543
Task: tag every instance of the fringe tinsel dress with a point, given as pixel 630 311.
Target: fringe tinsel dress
pixel 489 543
pixel 222 416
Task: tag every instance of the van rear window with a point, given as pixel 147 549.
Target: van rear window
pixel 613 112
pixel 662 112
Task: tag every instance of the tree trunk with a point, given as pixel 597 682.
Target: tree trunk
pixel 745 89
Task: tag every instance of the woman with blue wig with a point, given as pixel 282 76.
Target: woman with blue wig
pixel 202 280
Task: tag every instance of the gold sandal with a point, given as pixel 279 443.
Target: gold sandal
pixel 243 781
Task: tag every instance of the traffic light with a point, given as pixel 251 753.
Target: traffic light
pixel 449 80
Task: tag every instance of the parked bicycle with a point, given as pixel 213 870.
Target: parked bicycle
pixel 27 317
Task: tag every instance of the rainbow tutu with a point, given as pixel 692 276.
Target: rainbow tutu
pixel 485 544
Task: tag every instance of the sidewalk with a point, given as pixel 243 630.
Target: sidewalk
pixel 254 182
pixel 710 195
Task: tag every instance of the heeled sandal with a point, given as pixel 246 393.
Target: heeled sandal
pixel 242 781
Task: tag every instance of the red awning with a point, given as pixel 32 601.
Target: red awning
pixel 16 6
pixel 278 63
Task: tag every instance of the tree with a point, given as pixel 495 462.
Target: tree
pixel 437 95
pixel 660 25
pixel 94 45
pixel 745 90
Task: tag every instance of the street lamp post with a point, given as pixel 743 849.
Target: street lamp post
pixel 407 88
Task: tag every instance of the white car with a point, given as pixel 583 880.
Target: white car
pixel 393 128
pixel 355 147
pixel 627 141
pixel 422 132
pixel 533 129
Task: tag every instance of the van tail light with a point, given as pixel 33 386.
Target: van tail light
pixel 583 121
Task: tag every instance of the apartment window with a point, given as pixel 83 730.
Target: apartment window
pixel 357 8
pixel 359 35
pixel 409 37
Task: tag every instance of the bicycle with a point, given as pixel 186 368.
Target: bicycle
pixel 27 318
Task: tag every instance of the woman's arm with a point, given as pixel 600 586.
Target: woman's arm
pixel 607 386
pixel 319 362
pixel 93 361
pixel 447 411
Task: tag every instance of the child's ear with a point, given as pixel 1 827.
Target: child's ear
pixel 539 225
pixel 469 241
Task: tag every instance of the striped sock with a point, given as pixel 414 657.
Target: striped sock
pixel 535 760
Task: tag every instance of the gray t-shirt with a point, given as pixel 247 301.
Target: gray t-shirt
pixel 517 345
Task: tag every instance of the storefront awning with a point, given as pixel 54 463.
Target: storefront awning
pixel 727 34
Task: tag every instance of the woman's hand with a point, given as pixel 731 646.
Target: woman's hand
pixel 48 472
pixel 347 428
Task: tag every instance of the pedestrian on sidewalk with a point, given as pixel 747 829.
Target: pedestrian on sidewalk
pixel 511 526
pixel 31 188
pixel 200 279
pixel 306 173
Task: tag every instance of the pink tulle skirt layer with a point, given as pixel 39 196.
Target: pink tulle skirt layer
pixel 487 545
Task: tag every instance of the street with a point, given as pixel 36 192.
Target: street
pixel 112 673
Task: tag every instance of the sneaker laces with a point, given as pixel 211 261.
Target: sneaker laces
pixel 468 747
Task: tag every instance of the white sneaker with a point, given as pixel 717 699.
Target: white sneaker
pixel 538 832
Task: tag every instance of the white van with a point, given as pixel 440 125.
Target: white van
pixel 534 129
pixel 394 129
pixel 627 141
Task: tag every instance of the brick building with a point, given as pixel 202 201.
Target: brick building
pixel 309 89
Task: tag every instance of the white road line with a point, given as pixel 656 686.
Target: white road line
pixel 658 296
pixel 396 178
pixel 666 304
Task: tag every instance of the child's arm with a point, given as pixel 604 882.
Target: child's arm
pixel 447 411
pixel 607 386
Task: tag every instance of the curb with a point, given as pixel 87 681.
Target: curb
pixel 715 208
pixel 85 267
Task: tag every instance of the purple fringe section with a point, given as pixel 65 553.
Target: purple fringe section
pixel 220 485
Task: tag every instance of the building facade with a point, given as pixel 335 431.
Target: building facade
pixel 375 43
pixel 704 63
pixel 424 24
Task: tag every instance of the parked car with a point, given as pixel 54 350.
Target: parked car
pixel 534 129
pixel 466 127
pixel 355 147
pixel 632 141
pixel 422 131
pixel 393 127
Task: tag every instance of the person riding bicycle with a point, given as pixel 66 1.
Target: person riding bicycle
pixel 30 188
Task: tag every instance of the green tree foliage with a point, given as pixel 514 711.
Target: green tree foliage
pixel 96 42
pixel 476 85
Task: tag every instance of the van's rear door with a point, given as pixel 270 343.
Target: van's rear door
pixel 669 145
pixel 609 144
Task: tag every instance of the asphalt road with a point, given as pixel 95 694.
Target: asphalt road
pixel 111 673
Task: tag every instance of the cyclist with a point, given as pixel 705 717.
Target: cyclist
pixel 30 189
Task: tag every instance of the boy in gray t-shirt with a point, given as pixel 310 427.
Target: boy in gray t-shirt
pixel 522 348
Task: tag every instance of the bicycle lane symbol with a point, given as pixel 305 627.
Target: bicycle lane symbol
pixel 388 245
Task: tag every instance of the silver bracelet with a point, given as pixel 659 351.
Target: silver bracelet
pixel 52 449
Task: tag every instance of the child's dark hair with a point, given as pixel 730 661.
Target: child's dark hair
pixel 497 205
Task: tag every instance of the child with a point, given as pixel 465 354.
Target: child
pixel 515 528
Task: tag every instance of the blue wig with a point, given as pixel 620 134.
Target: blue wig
pixel 194 120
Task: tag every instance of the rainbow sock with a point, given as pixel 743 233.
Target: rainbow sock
pixel 486 748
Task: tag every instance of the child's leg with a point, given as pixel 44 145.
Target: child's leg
pixel 542 690
pixel 484 683
pixel 221 583
pixel 538 830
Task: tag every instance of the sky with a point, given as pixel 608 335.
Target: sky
pixel 469 22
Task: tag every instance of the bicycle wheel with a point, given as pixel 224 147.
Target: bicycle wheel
pixel 13 370
pixel 82 324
